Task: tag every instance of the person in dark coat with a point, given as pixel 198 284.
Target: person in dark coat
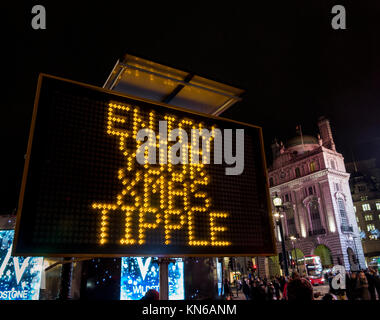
pixel 299 289
pixel 376 279
pixel 226 290
pixel 251 285
pixel 282 282
pixel 261 292
pixel 351 286
pixel 256 292
pixel 151 294
pixel 239 286
pixel 276 286
pixel 362 287
pixel 371 284
pixel 329 297
pixel 246 290
pixel 270 292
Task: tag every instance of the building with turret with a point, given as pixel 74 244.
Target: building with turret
pixel 365 190
pixel 309 175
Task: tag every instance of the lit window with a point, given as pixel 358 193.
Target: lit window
pixel 373 237
pixel 355 209
pixel 366 207
pixel 370 227
pixel 377 205
pixel 312 166
pixel 342 210
pixel 332 163
pixel 357 219
pixel 368 217
pixel 315 215
pixel 360 230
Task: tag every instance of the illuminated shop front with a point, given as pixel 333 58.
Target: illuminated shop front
pixel 139 274
pixel 20 277
pixel 234 276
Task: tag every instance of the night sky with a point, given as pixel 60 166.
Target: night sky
pixel 293 66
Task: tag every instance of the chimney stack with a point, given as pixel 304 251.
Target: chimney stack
pixel 326 134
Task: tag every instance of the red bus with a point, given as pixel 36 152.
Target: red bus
pixel 314 269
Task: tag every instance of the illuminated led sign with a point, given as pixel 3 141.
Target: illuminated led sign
pixel 139 274
pixel 20 277
pixel 113 175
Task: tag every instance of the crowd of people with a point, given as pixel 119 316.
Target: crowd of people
pixel 361 285
pixel 256 289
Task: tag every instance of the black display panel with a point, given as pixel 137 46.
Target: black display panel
pixel 85 194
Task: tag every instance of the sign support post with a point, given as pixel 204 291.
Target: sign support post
pixel 164 277
pixel 66 279
pixel 164 282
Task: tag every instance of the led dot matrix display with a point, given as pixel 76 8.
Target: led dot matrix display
pixel 84 193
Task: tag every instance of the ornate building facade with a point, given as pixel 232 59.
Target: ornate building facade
pixel 310 176
pixel 365 190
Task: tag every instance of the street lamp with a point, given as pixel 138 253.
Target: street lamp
pixel 293 239
pixel 277 202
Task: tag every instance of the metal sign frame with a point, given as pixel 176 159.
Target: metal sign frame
pixel 17 252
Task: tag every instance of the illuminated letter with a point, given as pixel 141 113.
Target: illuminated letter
pixel 180 146
pixel 339 281
pixel 147 208
pixel 339 21
pixel 20 271
pixel 5 262
pixel 138 123
pixel 170 120
pixel 113 119
pixel 206 140
pixel 218 146
pixel 143 266
pixel 149 146
pixel 39 20
pixel 172 211
pixel 214 229
pixel 163 142
pixel 239 154
pixel 202 179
